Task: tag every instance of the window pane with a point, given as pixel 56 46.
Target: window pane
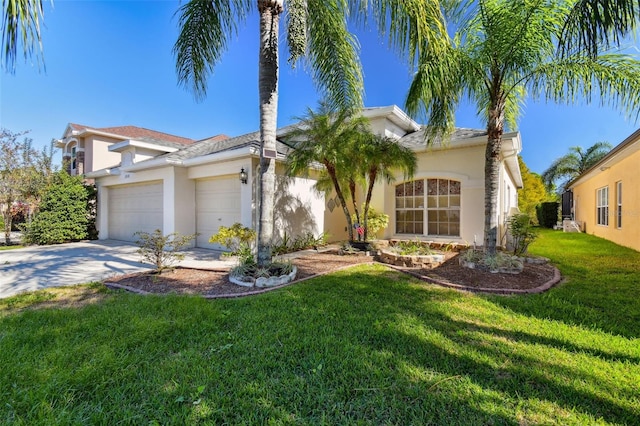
pixel 454 229
pixel 408 202
pixel 432 187
pixel 399 202
pixel 419 228
pixel 443 201
pixel 443 216
pixel 443 187
pixel 433 228
pixel 432 202
pixel 419 187
pixel 454 201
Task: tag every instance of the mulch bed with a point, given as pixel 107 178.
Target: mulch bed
pixel 211 283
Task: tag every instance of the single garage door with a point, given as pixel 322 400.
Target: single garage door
pixel 134 208
pixel 217 204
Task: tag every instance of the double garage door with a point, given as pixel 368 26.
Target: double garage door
pixel 134 208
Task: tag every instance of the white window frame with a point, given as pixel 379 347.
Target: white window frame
pixel 619 204
pixel 602 206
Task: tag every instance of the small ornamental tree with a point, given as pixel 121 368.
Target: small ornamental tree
pixel 162 251
pixel 63 214
pixel 522 233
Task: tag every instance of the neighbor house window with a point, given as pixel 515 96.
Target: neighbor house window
pixel 619 204
pixel 410 207
pixel 73 158
pixel 602 206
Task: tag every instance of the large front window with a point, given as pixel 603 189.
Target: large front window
pixel 442 211
pixel 602 206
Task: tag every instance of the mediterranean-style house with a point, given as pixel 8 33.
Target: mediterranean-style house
pixel 85 149
pixel 199 186
pixel 605 199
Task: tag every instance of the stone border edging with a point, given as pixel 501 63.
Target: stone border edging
pixel 503 291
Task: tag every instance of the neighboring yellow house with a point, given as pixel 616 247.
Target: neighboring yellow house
pixel 606 198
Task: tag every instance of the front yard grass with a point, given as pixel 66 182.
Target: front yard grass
pixel 361 346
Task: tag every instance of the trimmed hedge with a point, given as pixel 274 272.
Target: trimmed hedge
pixel 547 214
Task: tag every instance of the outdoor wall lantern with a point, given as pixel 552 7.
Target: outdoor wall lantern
pixel 243 176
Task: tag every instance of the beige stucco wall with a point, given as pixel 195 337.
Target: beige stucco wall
pixel 584 198
pixel 97 154
pixel 465 164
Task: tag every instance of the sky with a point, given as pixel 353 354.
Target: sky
pixel 110 63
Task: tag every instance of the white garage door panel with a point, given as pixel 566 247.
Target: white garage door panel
pixel 217 204
pixel 134 208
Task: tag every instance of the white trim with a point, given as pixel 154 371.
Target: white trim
pixel 121 146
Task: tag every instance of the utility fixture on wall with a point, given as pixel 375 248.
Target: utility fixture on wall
pixel 243 176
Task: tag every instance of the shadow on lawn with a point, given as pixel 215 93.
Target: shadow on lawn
pixel 472 350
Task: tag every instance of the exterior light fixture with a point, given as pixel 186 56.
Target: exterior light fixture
pixel 243 176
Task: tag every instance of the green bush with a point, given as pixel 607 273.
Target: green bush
pixel 547 214
pixel 162 251
pixel 522 232
pixel 63 214
pixel 238 239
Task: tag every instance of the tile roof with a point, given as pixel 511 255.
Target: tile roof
pixel 416 140
pixel 137 133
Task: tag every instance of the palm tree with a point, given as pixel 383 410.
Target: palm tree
pixel 502 51
pixel 380 157
pixel 21 24
pixel 593 23
pixel 317 31
pixel 575 163
pixel 328 139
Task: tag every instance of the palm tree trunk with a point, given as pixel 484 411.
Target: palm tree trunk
pixel 492 179
pixel 373 174
pixel 331 170
pixel 352 192
pixel 270 11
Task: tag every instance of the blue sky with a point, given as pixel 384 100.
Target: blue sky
pixel 110 63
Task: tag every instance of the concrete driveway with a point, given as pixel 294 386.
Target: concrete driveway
pixel 38 267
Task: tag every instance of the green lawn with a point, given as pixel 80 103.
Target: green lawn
pixel 362 346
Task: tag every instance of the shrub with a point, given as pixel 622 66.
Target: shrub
pixel 547 214
pixel 162 251
pixel 238 239
pixel 375 222
pixel 522 233
pixel 63 214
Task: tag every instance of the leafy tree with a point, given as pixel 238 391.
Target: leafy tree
pixel 533 191
pixel 573 164
pixel 18 164
pixel 21 21
pixel 328 139
pixel 316 31
pixel 63 214
pixel 501 52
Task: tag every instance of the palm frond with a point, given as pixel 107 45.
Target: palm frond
pixel 596 24
pixel 614 77
pixel 206 27
pixel 21 26
pixel 334 54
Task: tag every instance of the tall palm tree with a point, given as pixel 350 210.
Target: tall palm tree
pixel 317 31
pixel 328 139
pixel 593 23
pixel 575 163
pixel 21 25
pixel 502 51
pixel 380 157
